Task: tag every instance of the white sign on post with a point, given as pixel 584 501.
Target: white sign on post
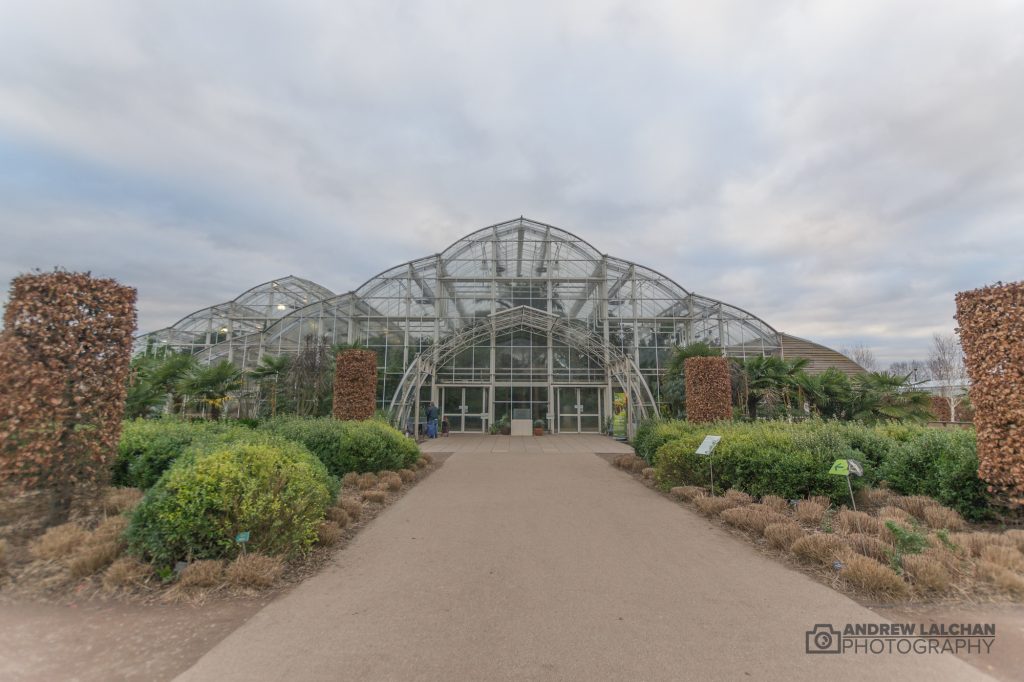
pixel 708 445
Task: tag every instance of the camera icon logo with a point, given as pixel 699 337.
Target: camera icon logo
pixel 824 639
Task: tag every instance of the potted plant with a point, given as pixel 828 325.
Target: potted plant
pixel 504 426
pixel 538 427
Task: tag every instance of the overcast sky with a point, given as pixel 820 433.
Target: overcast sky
pixel 840 169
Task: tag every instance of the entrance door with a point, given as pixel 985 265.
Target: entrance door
pixel 579 410
pixel 464 408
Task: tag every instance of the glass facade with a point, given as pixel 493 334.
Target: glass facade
pixel 528 316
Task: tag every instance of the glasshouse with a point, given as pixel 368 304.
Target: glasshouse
pixel 519 318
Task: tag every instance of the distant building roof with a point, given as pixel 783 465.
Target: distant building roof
pixel 819 357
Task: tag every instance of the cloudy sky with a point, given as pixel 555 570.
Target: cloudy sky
pixel 840 169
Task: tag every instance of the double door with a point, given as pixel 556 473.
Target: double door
pixel 465 408
pixel 579 410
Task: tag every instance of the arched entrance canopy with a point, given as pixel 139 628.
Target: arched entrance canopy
pixel 619 367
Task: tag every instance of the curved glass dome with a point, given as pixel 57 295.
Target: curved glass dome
pixel 413 308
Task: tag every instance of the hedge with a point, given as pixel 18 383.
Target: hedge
pixel 345 446
pixel 275 490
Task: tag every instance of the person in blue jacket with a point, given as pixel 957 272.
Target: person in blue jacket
pixel 432 421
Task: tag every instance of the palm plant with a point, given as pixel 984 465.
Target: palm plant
pixel 762 379
pixel 270 371
pixel 878 396
pixel 168 374
pixel 212 385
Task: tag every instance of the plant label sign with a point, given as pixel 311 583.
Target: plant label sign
pixel 708 445
pixel 242 537
pixel 846 467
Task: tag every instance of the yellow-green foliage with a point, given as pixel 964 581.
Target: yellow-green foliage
pixel 277 492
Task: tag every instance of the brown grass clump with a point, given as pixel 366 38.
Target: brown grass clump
pixel 820 548
pixel 1001 578
pixel 407 475
pixel 374 496
pixel 202 573
pixel 630 462
pixel 927 573
pixel 58 542
pixel 126 572
pixel 891 513
pixel 353 507
pixel 713 506
pixel 687 493
pixel 328 534
pixel 350 480
pixel 648 473
pixel 755 517
pixel 120 500
pixel 809 513
pixel 872 497
pixel 390 480
pixel 1016 536
pixel 100 548
pixel 254 570
pixel 870 546
pixel 857 522
pixel 3 552
pixel 427 457
pixel 915 505
pixel 939 517
pixel 1007 557
pixel 738 496
pixel 974 543
pixel 367 481
pixel 338 515
pixel 872 578
pixel 775 503
pixel 421 464
pixel 782 535
pixel 824 500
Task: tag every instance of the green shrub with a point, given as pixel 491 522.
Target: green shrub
pixel 345 446
pixel 148 447
pixel 276 490
pixel 651 434
pixel 942 464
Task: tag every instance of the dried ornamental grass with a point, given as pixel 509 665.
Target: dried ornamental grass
pixel 202 573
pixel 1007 557
pixel 708 389
pixel 870 546
pixel 120 500
pixel 421 464
pixel 754 518
pixel 427 457
pixel 687 493
pixel 648 473
pixel 915 505
pixel 254 570
pixel 1016 536
pixel 809 513
pixel 3 553
pixel 350 480
pixel 824 500
pixel 355 384
pixel 328 534
pixel 894 513
pixel 337 514
pixel 739 496
pixel 353 507
pixel 775 503
pixel 713 506
pixel 974 543
pixel 390 481
pixel 407 475
pixel 783 535
pixel 126 572
pixel 820 548
pixel 1000 577
pixel 367 481
pixel 927 573
pixel 991 332
pixel 857 522
pixel 375 496
pixel 943 518
pixel 873 497
pixel 872 578
pixel 58 542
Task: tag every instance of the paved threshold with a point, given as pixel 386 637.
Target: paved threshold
pixel 533 559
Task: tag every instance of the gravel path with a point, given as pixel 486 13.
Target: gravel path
pixel 532 559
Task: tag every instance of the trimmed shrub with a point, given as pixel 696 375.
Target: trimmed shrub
pixel 277 492
pixel 651 434
pixel 359 446
pixel 254 570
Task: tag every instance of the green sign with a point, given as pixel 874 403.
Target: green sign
pixel 840 468
pixel 242 537
pixel 619 425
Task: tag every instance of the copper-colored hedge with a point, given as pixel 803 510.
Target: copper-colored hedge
pixel 355 384
pixel 64 360
pixel 991 332
pixel 708 390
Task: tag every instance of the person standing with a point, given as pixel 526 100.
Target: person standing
pixel 432 421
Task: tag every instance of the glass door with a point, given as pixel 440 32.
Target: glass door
pixel 579 410
pixel 451 408
pixel 465 408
